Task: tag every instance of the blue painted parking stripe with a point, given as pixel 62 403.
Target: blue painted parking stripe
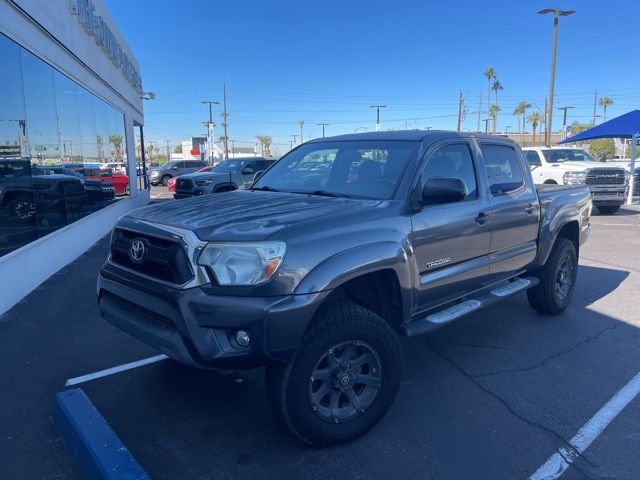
pixel 97 450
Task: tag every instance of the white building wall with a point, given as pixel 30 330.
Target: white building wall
pixel 50 30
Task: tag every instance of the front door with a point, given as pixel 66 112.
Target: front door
pixel 451 241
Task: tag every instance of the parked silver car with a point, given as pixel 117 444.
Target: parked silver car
pixel 161 175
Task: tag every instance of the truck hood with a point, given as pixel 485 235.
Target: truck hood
pixel 247 215
pixel 218 177
pixel 582 165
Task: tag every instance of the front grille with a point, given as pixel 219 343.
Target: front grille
pixel 605 176
pixel 184 184
pixel 165 260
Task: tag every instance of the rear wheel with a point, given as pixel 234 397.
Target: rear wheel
pixel 608 209
pixel 23 209
pixel 557 279
pixel 342 379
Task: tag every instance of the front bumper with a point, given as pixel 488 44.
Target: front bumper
pixel 608 195
pixel 196 328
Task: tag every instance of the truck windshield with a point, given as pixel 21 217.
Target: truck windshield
pixel 228 166
pixel 359 169
pixel 567 155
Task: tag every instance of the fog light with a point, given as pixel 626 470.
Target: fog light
pixel 242 338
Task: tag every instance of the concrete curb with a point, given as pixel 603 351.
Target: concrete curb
pixel 96 448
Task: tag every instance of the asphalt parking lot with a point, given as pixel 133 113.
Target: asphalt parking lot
pixel 494 395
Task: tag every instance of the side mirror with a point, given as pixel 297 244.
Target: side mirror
pixel 443 190
pixel 258 175
pixel 248 171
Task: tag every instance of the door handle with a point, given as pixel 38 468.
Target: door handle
pixel 481 218
pixel 530 209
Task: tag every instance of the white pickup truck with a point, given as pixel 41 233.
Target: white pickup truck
pixel 572 166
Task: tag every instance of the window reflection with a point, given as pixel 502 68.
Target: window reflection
pixel 62 149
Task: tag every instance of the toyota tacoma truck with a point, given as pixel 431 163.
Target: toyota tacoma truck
pixel 317 272
pixel 227 175
pixel 608 184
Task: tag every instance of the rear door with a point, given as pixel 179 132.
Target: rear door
pixel 515 211
pixel 451 241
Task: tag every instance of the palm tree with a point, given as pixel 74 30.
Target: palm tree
pixel 604 103
pixel 535 119
pixel 496 86
pixel 521 110
pixel 301 123
pixel 265 142
pixel 493 114
pixel 490 73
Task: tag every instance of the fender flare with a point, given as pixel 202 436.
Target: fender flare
pixel 355 262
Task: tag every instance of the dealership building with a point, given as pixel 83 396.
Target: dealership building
pixel 70 117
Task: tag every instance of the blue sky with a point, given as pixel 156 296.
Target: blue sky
pixel 326 62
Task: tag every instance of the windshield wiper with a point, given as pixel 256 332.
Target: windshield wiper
pixel 266 188
pixel 325 193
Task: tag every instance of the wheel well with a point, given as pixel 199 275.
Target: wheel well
pixel 377 291
pixel 227 187
pixel 571 231
pixel 550 182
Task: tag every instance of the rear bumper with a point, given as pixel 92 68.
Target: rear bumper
pixel 198 329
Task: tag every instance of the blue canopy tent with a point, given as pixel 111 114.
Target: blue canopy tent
pixel 624 126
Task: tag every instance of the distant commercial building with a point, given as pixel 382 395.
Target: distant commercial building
pixel 70 103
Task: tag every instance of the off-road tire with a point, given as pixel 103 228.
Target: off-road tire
pixel 546 297
pixel 22 210
pixel 608 209
pixel 288 385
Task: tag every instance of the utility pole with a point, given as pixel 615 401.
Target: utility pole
pixel 595 105
pixel 460 100
pixel 377 107
pixel 168 152
pixel 564 121
pixel 486 124
pixel 323 125
pixel 479 111
pixel 295 138
pixel 546 118
pixel 225 115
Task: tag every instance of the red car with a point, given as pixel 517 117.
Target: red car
pixel 120 181
pixel 171 184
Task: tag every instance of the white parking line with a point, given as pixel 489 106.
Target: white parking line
pixel 559 462
pixel 112 370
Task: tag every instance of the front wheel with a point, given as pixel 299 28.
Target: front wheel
pixel 557 279
pixel 341 381
pixel 608 209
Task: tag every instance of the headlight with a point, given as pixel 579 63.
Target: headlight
pixel 202 183
pixel 574 178
pixel 242 263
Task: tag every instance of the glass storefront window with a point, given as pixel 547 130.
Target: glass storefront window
pixel 62 149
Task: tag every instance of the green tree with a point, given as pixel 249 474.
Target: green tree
pixel 521 111
pixel 177 149
pixel 116 141
pixel 535 119
pixel 265 142
pixel 490 75
pixel 496 87
pixel 604 103
pixel 603 147
pixel 493 114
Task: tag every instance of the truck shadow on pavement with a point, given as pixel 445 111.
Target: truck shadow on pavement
pixel 506 386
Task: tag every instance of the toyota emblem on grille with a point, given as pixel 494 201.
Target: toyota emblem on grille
pixel 137 250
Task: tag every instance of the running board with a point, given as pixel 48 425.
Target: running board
pixel 437 319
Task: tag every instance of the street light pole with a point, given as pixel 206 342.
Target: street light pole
pixel 564 121
pixel 323 125
pixel 549 113
pixel 377 107
pixel 210 129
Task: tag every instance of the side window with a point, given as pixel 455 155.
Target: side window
pixel 263 164
pixel 252 166
pixel 503 168
pixel 181 164
pixel 533 158
pixel 453 161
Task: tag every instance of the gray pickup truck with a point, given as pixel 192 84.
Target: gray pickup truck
pixel 227 175
pixel 339 249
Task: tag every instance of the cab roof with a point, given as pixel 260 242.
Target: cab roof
pixel 408 135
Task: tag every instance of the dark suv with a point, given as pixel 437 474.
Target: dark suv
pixel 229 175
pixel 161 175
